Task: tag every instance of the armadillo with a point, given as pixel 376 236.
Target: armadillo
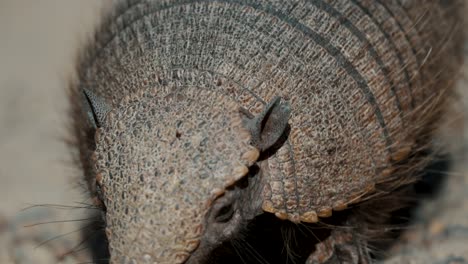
pixel 194 118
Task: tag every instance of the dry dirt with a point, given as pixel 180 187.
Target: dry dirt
pixel 38 41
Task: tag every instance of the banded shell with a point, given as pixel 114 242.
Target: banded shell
pixel 365 80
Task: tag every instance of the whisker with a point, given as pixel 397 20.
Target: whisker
pixel 76 248
pixel 61 207
pixel 61 221
pixel 255 253
pixel 235 245
pixel 92 262
pixel 63 235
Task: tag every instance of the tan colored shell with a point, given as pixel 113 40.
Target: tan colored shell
pixel 364 79
pixel 162 157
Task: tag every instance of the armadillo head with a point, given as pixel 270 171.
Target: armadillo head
pixel 168 163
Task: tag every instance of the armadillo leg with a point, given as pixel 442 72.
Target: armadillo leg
pixel 341 247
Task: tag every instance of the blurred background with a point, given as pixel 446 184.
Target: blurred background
pixel 38 44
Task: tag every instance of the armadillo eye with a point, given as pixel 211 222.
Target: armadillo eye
pixel 225 213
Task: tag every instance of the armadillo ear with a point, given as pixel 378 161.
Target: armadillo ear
pixel 269 126
pixel 96 108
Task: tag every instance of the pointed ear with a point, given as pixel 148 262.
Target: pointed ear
pixel 96 108
pixel 267 128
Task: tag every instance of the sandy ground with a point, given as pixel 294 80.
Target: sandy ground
pixel 38 41
pixel 37 45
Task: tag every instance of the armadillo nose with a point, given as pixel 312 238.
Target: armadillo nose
pixel 151 252
pixel 149 259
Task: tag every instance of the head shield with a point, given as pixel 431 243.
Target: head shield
pixel 162 158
